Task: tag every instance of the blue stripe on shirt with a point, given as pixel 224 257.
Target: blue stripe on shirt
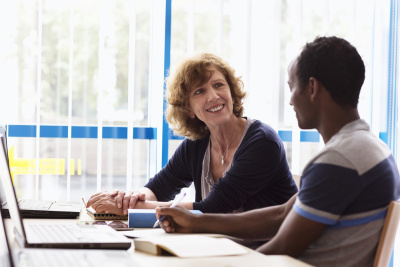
pixel 334 224
pixel 312 216
pixel 358 221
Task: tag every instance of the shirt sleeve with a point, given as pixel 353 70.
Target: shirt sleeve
pixel 327 190
pixel 175 175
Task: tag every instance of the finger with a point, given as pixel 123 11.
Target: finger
pixel 93 199
pixel 96 202
pixel 169 225
pixel 158 210
pixel 101 198
pixel 133 201
pixel 96 194
pixel 125 203
pixel 119 198
pixel 105 208
pixel 142 196
pixel 115 193
pixel 166 229
pixel 99 208
pixel 169 229
pixel 90 201
pixel 165 226
pixel 165 210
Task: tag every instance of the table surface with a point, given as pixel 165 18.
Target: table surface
pixel 252 258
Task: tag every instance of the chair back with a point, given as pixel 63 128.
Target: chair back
pixel 386 241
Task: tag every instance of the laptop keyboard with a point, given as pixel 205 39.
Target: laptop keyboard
pixel 61 258
pixel 34 204
pixel 56 233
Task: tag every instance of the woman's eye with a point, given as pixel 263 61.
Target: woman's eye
pixel 218 85
pixel 196 92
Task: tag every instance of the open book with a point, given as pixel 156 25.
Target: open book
pixel 187 246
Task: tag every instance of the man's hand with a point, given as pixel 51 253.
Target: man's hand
pixel 104 202
pixel 127 200
pixel 178 219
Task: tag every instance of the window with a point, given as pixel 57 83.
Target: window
pixel 87 76
pixel 84 65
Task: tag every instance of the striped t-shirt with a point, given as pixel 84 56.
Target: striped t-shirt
pixel 348 187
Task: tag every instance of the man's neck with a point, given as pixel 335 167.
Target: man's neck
pixel 334 121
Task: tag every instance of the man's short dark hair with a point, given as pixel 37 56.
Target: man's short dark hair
pixel 337 65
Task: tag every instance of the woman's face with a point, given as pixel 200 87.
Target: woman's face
pixel 212 101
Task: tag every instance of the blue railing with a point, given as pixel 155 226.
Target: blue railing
pixel 57 131
pixel 121 132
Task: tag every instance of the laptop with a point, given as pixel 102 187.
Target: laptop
pixel 31 208
pixel 67 235
pixel 59 257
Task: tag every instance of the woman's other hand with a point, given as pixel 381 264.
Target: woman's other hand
pixel 104 202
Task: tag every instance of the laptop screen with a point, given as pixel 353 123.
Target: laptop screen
pixel 11 197
pixel 5 255
pixel 3 136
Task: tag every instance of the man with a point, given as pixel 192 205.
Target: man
pixel 337 216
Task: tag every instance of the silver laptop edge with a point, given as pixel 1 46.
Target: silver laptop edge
pixel 11 198
pixel 19 229
pixel 23 256
pixel 5 250
pixel 58 209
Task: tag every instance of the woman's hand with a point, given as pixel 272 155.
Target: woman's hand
pixel 118 202
pixel 127 200
pixel 104 202
pixel 178 219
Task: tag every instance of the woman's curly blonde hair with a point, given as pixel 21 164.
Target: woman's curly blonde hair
pixel 191 73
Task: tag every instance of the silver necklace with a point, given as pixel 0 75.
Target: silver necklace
pixel 219 150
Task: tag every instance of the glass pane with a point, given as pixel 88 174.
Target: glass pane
pixel 18 61
pixel 85 75
pixel 259 38
pixel 22 159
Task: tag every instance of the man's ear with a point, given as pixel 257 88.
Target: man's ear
pixel 314 88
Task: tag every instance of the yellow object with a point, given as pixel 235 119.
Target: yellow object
pixel 79 167
pixel 46 165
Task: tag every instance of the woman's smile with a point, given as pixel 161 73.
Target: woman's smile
pixel 215 109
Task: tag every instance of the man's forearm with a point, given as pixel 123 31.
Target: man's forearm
pixel 256 224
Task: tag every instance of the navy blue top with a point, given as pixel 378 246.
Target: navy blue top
pixel 259 176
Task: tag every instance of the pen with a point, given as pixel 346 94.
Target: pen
pixel 84 202
pixel 175 203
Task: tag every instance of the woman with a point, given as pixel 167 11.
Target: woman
pixel 235 163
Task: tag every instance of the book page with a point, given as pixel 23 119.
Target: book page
pixel 186 246
pixel 158 232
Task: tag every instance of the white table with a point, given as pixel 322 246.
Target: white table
pixel 252 258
